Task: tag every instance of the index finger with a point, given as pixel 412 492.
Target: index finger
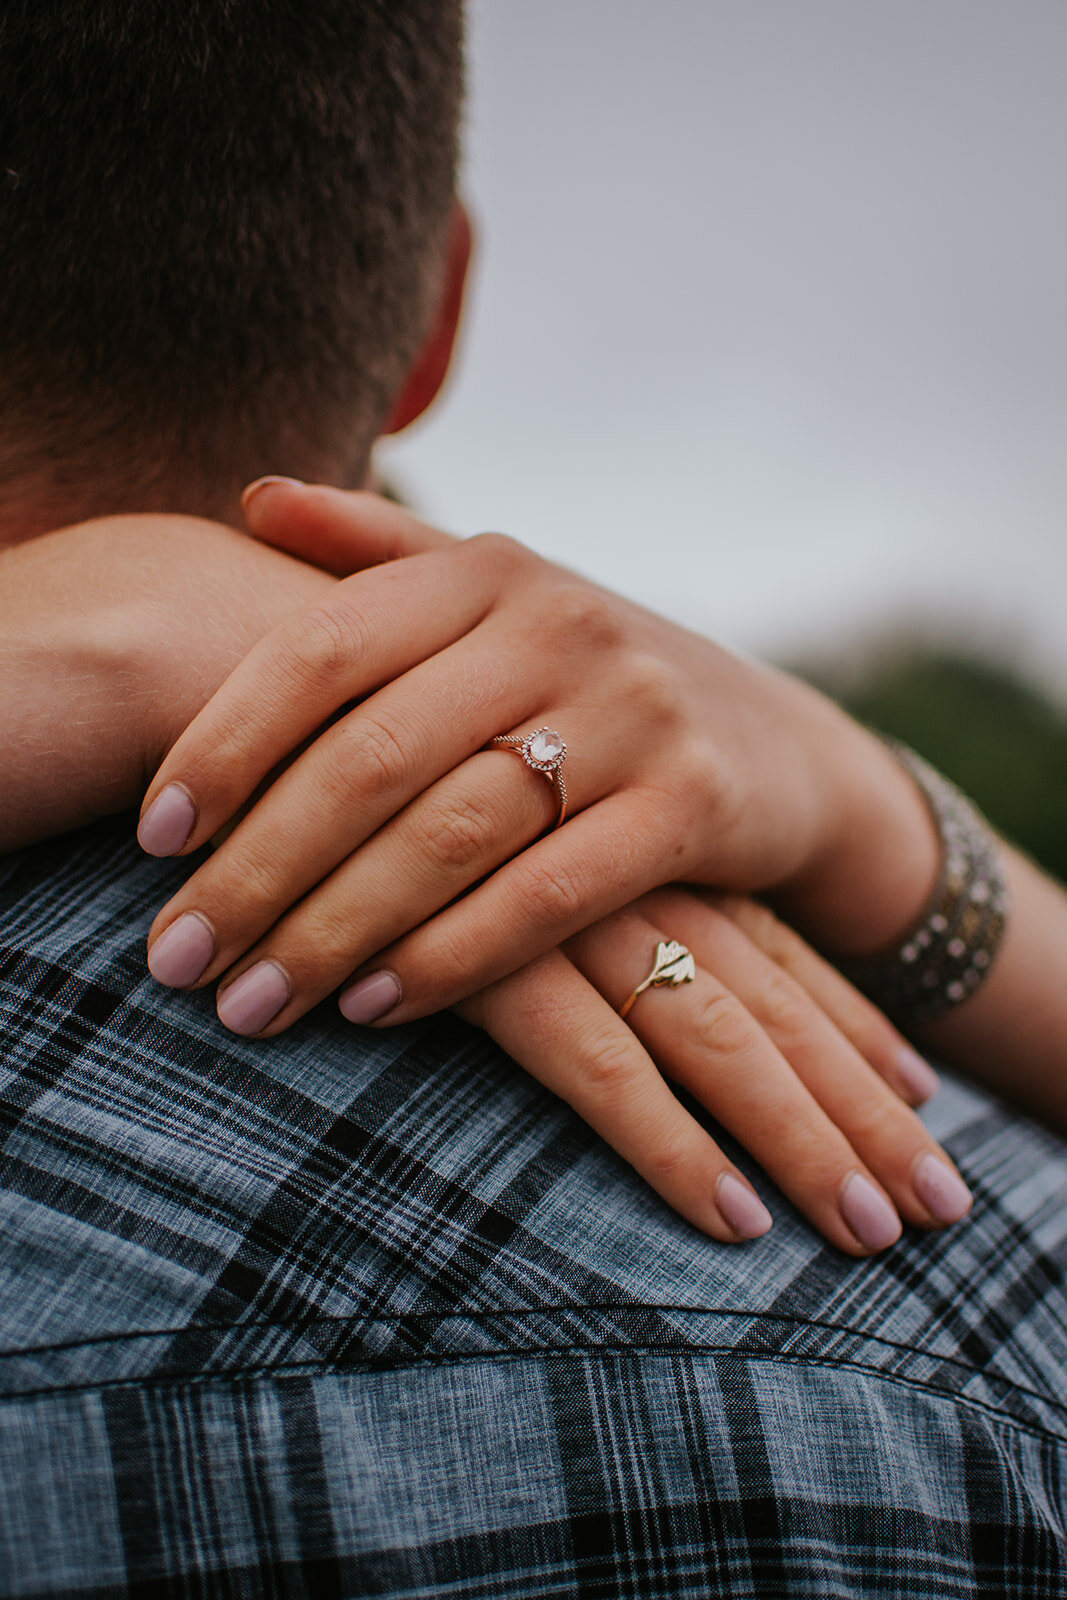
pixel 341 530
pixel 368 630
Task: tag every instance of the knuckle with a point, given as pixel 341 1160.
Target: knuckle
pixel 816 1154
pixel 553 893
pixel 216 769
pixel 784 1008
pixel 776 941
pixel 606 1065
pixel 723 1026
pixel 243 884
pixel 821 1165
pixel 697 782
pixel 499 551
pixel 668 1163
pixel 324 937
pixel 584 617
pixel 756 921
pixel 873 1035
pixel 881 1124
pixel 369 752
pixel 650 686
pixel 456 836
pixel 444 961
pixel 324 642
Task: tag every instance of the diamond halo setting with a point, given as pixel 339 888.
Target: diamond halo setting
pixel 543 749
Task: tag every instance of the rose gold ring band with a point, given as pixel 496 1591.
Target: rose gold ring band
pixel 543 751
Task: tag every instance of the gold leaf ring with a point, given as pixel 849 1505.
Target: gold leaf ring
pixel 674 966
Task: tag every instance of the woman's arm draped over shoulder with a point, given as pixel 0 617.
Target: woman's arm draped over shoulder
pixel 116 632
pixel 113 634
pixel 688 764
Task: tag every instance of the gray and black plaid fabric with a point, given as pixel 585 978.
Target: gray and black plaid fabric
pixel 355 1313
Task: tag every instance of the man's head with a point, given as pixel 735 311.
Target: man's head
pixel 224 230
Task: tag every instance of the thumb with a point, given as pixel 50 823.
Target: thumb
pixel 340 530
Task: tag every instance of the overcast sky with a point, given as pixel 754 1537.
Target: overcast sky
pixel 768 326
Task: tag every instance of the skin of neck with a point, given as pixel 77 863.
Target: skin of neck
pixel 36 498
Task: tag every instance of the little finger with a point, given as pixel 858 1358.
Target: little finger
pixel 859 1020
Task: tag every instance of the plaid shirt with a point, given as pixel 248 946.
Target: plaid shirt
pixel 351 1313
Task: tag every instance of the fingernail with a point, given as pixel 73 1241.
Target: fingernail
pixel 182 951
pixel 918 1075
pixel 371 997
pixel 253 999
pixel 942 1191
pixel 742 1207
pixel 265 483
pixel 168 822
pixel 869 1214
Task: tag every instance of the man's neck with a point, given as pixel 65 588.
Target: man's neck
pixel 38 494
pixel 33 503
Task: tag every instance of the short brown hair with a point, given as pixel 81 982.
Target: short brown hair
pixel 219 222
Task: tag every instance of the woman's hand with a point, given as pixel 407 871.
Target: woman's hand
pixel 786 1056
pixel 684 763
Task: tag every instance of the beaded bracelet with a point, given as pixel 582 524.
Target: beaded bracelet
pixel 948 951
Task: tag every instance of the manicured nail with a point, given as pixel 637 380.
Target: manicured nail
pixel 168 822
pixel 371 997
pixel 265 483
pixel 869 1214
pixel 182 951
pixel 918 1075
pixel 742 1207
pixel 253 999
pixel 942 1191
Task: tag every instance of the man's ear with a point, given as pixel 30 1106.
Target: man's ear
pixel 431 364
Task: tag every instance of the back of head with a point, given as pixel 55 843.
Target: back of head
pixel 221 225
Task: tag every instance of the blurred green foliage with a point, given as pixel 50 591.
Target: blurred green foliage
pixel 992 732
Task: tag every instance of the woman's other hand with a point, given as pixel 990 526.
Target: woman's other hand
pixel 769 1038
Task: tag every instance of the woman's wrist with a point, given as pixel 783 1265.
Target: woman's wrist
pixel 871 878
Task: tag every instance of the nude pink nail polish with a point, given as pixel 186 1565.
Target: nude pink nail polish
pixel 918 1076
pixel 182 951
pixel 942 1191
pixel 869 1214
pixel 742 1208
pixel 371 997
pixel 254 999
pixel 166 825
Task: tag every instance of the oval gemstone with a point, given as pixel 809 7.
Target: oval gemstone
pixel 545 747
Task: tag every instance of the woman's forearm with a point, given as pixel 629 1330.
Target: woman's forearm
pixel 113 634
